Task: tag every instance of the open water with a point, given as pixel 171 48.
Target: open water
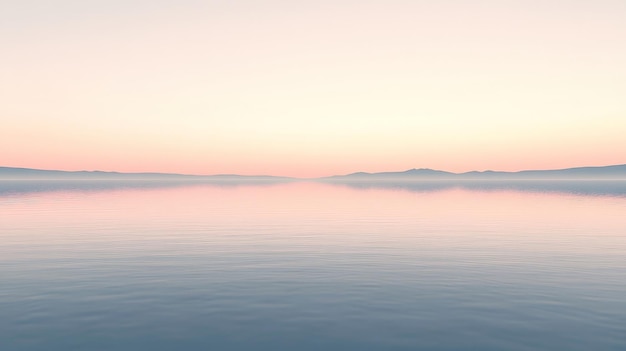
pixel 312 266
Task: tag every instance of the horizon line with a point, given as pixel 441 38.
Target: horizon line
pixel 304 178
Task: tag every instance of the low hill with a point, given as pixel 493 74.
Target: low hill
pixel 40 174
pixel 606 172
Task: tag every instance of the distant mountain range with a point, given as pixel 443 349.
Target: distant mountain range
pixel 40 174
pixel 617 172
pixel 579 173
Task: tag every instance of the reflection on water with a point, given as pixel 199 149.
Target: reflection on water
pixel 589 187
pixel 8 187
pixel 578 187
pixel 308 266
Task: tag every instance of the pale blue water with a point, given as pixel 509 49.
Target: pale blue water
pixel 304 266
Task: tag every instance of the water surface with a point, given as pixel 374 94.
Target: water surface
pixel 309 266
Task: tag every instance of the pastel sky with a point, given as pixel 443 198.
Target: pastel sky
pixel 312 88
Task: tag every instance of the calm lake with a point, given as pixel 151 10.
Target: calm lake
pixel 312 266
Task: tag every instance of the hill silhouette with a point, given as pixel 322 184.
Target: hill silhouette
pixel 616 172
pixel 40 174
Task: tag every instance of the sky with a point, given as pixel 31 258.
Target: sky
pixel 312 88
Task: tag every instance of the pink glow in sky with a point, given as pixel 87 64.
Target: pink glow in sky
pixel 312 88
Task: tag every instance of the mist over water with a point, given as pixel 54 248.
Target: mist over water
pixel 308 266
